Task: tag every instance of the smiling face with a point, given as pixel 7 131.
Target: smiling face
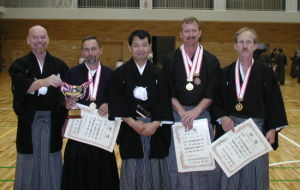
pixel 91 51
pixel 190 33
pixel 245 44
pixel 38 39
pixel 140 49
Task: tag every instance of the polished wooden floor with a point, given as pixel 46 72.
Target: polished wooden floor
pixel 284 163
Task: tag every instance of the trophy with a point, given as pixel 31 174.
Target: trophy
pixel 74 91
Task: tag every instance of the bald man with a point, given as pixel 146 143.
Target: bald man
pixel 38 104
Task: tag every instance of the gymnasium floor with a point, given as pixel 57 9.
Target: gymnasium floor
pixel 284 163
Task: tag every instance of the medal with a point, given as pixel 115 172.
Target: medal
pixel 93 105
pixel 192 67
pixel 241 89
pixel 197 81
pixel 239 106
pixel 93 85
pixel 189 86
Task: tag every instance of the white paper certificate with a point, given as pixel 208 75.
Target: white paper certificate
pixel 191 147
pixel 235 149
pixel 93 129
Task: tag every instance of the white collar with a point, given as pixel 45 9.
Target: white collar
pixel 142 68
pixel 40 65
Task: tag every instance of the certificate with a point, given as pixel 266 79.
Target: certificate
pixel 93 129
pixel 191 147
pixel 236 149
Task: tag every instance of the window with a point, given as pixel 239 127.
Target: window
pixel 262 5
pixel 108 4
pixel 183 4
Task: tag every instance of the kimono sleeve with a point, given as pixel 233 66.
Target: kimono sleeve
pixel 117 101
pixel 21 78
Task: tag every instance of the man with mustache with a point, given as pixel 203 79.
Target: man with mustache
pixel 192 71
pixel 85 166
pixel 247 89
pixel 38 104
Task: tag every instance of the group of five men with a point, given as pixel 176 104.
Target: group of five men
pixel 189 86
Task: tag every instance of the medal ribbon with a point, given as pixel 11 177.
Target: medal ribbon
pixel 194 67
pixel 93 86
pixel 240 90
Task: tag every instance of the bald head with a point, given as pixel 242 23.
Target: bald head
pixel 36 28
pixel 38 39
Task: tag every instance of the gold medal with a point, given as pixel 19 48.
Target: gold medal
pixel 239 106
pixel 197 81
pixel 189 86
pixel 93 105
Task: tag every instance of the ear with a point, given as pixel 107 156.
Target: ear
pixel 255 45
pixel 28 42
pixel 200 33
pixel 129 47
pixel 181 34
pixel 101 51
pixel 235 46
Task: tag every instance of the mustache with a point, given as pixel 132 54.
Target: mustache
pixel 90 59
pixel 191 38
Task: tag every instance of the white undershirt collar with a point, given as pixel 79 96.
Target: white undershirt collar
pixel 142 68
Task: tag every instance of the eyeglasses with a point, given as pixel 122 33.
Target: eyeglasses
pixel 87 50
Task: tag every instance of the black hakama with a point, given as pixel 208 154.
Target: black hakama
pixel 85 166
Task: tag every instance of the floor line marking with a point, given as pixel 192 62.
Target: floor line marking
pixel 290 140
pixel 8 132
pixel 286 162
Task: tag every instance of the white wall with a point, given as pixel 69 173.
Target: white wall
pixel 148 14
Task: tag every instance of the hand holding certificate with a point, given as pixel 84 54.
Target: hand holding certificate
pixel 236 149
pixel 93 129
pixel 191 147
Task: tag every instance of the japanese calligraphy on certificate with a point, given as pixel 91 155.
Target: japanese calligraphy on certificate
pixel 191 147
pixel 235 149
pixel 93 129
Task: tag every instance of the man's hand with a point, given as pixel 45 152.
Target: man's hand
pixel 138 126
pixel 227 123
pixel 71 102
pixel 52 80
pixel 103 109
pixel 150 128
pixel 188 117
pixel 270 136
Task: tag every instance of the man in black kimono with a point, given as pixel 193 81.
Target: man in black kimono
pixel 248 89
pixel 281 62
pixel 192 71
pixel 85 166
pixel 38 104
pixel 140 95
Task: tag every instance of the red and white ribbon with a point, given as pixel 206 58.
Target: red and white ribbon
pixel 241 89
pixel 192 67
pixel 93 86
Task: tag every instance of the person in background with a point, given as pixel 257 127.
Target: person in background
pixel 294 59
pixel 281 62
pixel 265 58
pixel 273 56
pixel 248 89
pixel 38 104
